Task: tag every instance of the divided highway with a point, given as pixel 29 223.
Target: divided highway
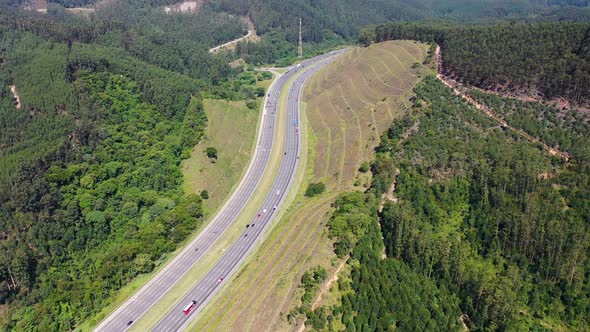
pixel 132 310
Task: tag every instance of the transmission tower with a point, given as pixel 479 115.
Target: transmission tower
pixel 300 41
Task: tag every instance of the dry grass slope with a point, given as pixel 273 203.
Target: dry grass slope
pixel 348 105
pixel 234 141
pixel 353 100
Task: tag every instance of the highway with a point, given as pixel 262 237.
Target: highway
pixel 135 307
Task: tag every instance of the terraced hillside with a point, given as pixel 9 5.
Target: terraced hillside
pixel 348 104
pixel 354 100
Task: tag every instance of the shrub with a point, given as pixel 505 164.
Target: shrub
pixel 364 167
pixel 211 152
pixel 315 189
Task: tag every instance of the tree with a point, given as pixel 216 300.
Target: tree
pixel 204 194
pixel 366 37
pixel 315 189
pixel 211 152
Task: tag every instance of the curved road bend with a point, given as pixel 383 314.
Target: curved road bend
pixel 134 308
pixel 207 287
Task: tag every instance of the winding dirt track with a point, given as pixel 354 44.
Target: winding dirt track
pixel 251 35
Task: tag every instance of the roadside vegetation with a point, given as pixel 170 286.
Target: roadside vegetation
pixel 235 142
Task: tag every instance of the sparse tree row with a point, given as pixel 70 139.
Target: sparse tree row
pixel 552 59
pixel 494 229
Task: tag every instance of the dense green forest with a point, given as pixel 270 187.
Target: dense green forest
pixel 495 227
pixel 554 63
pixel 90 175
pixel 345 17
pixel 175 42
pixel 380 294
pixel 89 165
pixel 326 22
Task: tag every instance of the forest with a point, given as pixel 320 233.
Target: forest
pixel 555 62
pixel 90 178
pixel 496 228
pixel 328 23
pixel 90 193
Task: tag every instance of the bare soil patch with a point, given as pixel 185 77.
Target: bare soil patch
pixel 192 7
pixel 39 6
pixel 17 103
pixel 81 11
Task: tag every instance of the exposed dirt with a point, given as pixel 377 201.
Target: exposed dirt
pixel 456 88
pixel 192 7
pixel 231 45
pixel 326 287
pixel 463 319
pixel 323 289
pixel 39 6
pixel 86 11
pixel 16 97
pixel 81 11
pixel 389 194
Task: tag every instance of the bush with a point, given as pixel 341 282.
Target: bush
pixel 364 167
pixel 259 91
pixel 315 189
pixel 251 104
pixel 211 152
pixel 204 194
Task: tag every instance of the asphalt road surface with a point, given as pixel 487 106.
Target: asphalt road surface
pixel 134 308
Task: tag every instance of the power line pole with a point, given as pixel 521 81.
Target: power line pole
pixel 300 41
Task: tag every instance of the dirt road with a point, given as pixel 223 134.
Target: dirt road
pixel 251 36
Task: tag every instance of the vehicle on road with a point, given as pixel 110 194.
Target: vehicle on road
pixel 278 192
pixel 188 307
pixel 264 211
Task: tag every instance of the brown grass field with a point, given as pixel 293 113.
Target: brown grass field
pixel 347 105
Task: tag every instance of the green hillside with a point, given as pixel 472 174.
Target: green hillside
pixel 484 224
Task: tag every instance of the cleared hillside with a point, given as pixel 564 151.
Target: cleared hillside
pixel 267 289
pixel 353 101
